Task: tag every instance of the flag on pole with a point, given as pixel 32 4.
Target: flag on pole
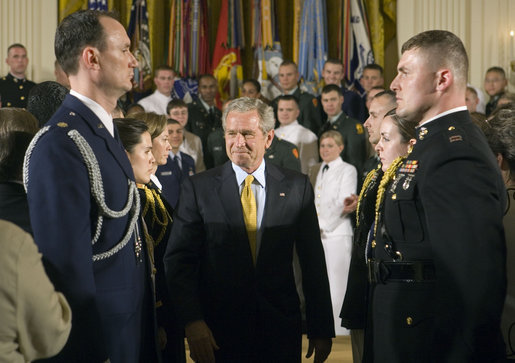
pixel 356 51
pixel 226 57
pixel 267 48
pixel 312 43
pixel 187 42
pixel 140 45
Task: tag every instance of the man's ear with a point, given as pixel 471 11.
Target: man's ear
pixel 444 79
pixel 89 57
pixel 269 138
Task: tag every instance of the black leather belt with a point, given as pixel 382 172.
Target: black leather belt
pixel 381 272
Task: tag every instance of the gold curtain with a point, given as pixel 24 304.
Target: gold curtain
pixel 159 13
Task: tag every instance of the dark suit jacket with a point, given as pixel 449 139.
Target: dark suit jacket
pixel 13 205
pixel 253 311
pixel 171 180
pixel 447 210
pixel 107 297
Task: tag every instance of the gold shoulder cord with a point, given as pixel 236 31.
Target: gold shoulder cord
pixel 152 198
pixel 371 176
pixel 388 176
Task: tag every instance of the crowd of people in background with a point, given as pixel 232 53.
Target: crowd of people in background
pixel 385 215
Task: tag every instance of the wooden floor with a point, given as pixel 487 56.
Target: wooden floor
pixel 341 352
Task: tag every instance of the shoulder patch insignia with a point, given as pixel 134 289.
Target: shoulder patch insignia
pixel 295 153
pixel 315 101
pixel 359 129
pixel 62 124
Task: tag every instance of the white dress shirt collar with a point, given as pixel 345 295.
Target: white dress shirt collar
pixel 105 117
pixel 452 110
pixel 259 174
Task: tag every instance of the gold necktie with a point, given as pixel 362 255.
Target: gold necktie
pixel 248 202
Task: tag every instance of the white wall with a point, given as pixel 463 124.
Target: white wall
pixel 31 23
pixel 483 25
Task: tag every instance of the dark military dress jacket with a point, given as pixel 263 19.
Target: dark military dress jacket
pixel 354 141
pixel 14 92
pixel 201 122
pixel 439 256
pixel 354 306
pixel 284 154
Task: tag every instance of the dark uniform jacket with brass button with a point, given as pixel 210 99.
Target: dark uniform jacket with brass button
pixel 14 92
pixel 355 303
pixel 310 110
pixel 201 123
pixel 354 141
pixel 284 154
pixel 443 214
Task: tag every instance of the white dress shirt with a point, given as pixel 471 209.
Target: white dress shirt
pixel 156 102
pixel 305 140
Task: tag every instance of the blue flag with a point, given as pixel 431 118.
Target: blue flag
pixel 97 5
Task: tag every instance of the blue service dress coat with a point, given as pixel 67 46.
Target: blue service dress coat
pixel 253 311
pixel 171 176
pixel 110 299
pixel 443 214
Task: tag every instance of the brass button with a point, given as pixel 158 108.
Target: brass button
pixel 409 320
pixel 21 86
pixel 394 196
pixel 318 196
pixel 22 98
pixel 451 128
pixel 374 244
pixel 8 104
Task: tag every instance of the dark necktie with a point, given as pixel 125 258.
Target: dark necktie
pixel 176 169
pixel 211 115
pixel 324 169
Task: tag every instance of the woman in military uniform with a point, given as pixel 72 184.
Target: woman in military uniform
pixel 395 143
pixel 156 223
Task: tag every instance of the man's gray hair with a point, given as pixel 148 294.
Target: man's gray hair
pixel 246 104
